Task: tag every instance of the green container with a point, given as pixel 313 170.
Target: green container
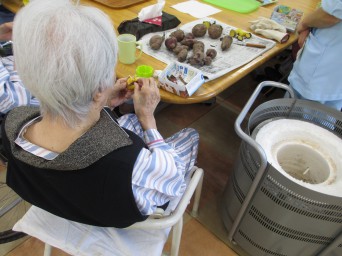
pixel 144 71
pixel 242 6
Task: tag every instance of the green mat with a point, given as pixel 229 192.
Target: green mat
pixel 243 6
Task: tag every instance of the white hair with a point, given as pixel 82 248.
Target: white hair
pixel 64 54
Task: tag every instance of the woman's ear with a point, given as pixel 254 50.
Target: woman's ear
pixel 97 97
pixel 99 100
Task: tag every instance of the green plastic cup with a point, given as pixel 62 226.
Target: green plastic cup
pixel 144 71
pixel 128 46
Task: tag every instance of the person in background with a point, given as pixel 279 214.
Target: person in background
pixel 12 91
pixel 5 14
pixel 316 73
pixel 72 157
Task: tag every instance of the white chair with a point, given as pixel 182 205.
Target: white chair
pixel 58 232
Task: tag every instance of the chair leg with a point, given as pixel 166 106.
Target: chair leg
pixel 47 250
pixel 176 237
pixel 194 212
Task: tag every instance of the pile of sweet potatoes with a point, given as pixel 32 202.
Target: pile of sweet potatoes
pixel 181 43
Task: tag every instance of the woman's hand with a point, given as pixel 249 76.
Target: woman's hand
pixel 302 37
pixel 146 98
pixel 6 31
pixel 119 94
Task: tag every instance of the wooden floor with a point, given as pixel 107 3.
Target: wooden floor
pixel 214 157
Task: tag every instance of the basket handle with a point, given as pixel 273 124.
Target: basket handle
pixel 263 160
pixel 246 109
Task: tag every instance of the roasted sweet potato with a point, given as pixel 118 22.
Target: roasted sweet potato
pixel 188 42
pixel 131 80
pixel 181 57
pixel 179 34
pixel 189 36
pixel 215 31
pixel 207 60
pixel 180 47
pixel 198 47
pixel 171 43
pixel 197 58
pixel 199 30
pixel 156 41
pixel 226 42
pixel 211 53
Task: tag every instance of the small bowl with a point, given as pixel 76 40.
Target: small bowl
pixel 144 71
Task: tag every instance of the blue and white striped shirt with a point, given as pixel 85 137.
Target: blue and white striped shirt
pixel 12 91
pixel 159 172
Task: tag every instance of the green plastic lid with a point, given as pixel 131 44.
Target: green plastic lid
pixel 242 6
pixel 144 71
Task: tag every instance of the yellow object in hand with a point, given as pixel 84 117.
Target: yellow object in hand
pixel 25 2
pixel 130 82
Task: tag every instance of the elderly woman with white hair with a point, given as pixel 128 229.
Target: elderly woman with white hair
pixel 71 157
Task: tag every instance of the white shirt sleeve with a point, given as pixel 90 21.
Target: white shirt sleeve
pixel 333 7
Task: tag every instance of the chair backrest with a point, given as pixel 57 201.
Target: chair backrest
pixel 80 239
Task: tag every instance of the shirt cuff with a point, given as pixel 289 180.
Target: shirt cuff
pixel 152 137
pixel 14 77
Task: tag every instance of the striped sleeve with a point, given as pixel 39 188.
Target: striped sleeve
pixel 161 171
pixel 158 174
pixel 12 91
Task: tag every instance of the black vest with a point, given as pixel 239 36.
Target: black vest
pixel 89 183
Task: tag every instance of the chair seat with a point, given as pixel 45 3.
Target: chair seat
pixel 143 238
pixel 81 239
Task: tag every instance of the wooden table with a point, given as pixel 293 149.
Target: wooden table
pixel 210 89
